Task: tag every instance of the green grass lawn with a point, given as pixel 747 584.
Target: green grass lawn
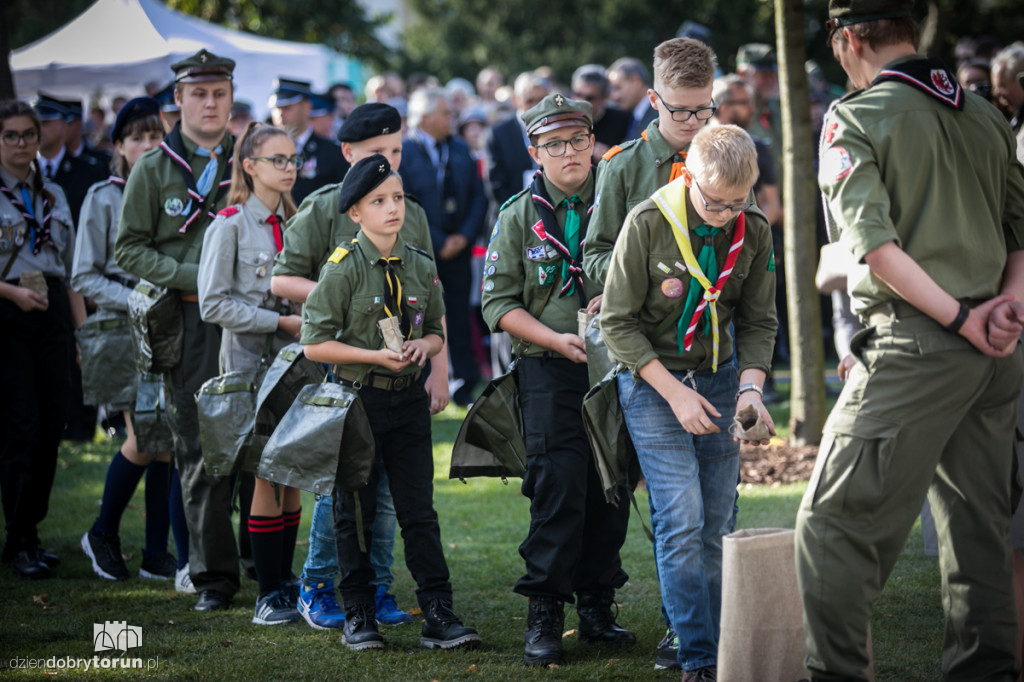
pixel 482 524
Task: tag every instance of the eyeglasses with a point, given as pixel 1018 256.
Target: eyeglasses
pixel 580 143
pixel 280 162
pixel 832 25
pixel 714 207
pixel 11 138
pixel 683 115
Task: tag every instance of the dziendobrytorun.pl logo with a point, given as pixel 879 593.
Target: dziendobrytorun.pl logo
pixel 109 636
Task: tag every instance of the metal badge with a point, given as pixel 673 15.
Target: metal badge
pixel 672 287
pixel 174 206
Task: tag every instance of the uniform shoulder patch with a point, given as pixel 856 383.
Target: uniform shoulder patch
pixel 619 148
pixel 512 198
pixel 611 152
pixel 228 211
pixel 419 251
pixel 338 254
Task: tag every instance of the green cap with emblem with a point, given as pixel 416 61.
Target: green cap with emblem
pixel 847 12
pixel 203 66
pixel 557 111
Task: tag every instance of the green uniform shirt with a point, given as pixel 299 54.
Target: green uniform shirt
pixel 348 301
pixel 522 268
pixel 318 228
pixel 153 209
pixel 956 220
pixel 635 305
pixel 623 181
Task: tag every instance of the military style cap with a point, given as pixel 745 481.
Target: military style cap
pixel 137 108
pixel 239 108
pixel 757 55
pixel 166 98
pixel 322 105
pixel 288 91
pixel 847 12
pixel 365 176
pixel 203 66
pixel 557 111
pixel 49 108
pixel 74 108
pixel 370 120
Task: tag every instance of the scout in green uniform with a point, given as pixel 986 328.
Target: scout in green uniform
pixel 691 261
pixel 920 183
pixel 172 195
pixel 533 287
pixel 684 72
pixel 312 235
pixel 373 277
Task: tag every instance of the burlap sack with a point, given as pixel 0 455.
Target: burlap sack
pixel 762 614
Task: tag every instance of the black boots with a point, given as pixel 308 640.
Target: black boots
pixel 597 624
pixel 360 631
pixel 442 629
pixel 545 621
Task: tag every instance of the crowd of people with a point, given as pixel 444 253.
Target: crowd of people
pixel 649 197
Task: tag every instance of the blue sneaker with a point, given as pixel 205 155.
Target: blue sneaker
pixel 388 612
pixel 319 607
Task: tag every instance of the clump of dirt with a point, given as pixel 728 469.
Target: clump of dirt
pixel 776 464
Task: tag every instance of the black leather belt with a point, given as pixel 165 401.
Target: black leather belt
pixel 381 382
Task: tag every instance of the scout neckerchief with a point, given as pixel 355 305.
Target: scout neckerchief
pixel 39 234
pixel 671 201
pixel 678 161
pixel 275 223
pixel 174 147
pixel 570 245
pixel 930 76
pixel 393 293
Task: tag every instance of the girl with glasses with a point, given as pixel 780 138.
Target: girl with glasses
pixel 234 292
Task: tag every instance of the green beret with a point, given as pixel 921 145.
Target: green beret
pixel 362 178
pixel 847 12
pixel 557 111
pixel 203 66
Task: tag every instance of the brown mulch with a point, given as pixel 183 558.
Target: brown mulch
pixel 776 464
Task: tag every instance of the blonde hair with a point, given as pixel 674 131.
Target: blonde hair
pixel 684 63
pixel 247 147
pixel 723 156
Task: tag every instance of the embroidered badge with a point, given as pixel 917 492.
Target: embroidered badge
pixel 413 300
pixel 376 300
pixel 488 285
pixel 771 261
pixel 436 280
pixel 535 252
pixel 538 230
pixel 545 273
pixel 417 320
pixel 672 287
pixel 494 232
pixel 338 254
pixel 836 163
pixel 830 132
pixel 228 211
pixel 941 82
pixel 174 206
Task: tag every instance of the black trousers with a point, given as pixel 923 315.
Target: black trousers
pixel 400 421
pixel 34 386
pixel 575 535
pixel 213 555
pixel 456 276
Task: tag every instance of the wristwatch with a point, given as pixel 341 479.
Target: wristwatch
pixel 749 387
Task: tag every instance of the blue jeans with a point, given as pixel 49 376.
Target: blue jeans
pixel 692 484
pixel 322 561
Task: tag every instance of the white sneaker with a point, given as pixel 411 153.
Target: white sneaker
pixel 183 581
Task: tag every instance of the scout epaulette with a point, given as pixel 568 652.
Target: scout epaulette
pixel 623 147
pixel 514 197
pixel 930 76
pixel 418 250
pixel 228 211
pixel 338 254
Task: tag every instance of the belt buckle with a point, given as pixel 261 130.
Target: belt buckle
pixel 402 382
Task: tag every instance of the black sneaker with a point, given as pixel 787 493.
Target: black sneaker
pixel 161 567
pixel 105 553
pixel 442 629
pixel 360 631
pixel 272 609
pixel 668 652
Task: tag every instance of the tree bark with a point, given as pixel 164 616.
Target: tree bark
pixel 6 77
pixel 807 397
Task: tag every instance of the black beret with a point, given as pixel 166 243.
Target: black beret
pixel 140 107
pixel 370 120
pixel 364 176
pixel 858 11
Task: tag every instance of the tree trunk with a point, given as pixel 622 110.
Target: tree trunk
pixel 807 397
pixel 6 77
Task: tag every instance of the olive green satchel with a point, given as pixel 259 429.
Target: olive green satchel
pixel 157 327
pixel 105 340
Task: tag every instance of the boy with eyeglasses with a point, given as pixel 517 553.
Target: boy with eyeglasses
pixel 691 262
pixel 533 287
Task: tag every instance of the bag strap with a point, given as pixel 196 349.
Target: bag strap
pixel 10 261
pixel 671 320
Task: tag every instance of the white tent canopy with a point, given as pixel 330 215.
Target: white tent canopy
pixel 116 46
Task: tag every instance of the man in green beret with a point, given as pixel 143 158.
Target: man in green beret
pixel 173 194
pixel 533 287
pixel 921 185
